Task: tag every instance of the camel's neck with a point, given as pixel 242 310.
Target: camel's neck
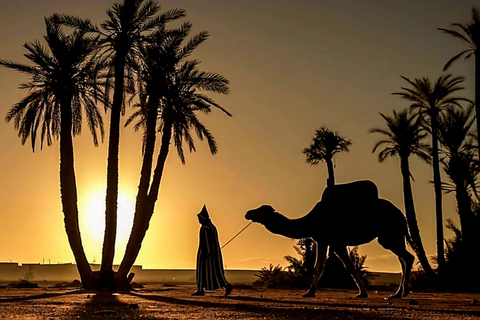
pixel 291 228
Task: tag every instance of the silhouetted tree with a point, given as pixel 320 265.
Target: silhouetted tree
pixel 470 33
pixel 461 165
pixel 430 100
pixel 272 276
pixel 326 144
pixel 303 266
pixel 64 84
pixel 129 24
pixel 170 98
pixel 403 137
pixel 298 274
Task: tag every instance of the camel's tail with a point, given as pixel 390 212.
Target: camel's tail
pixel 412 244
pixel 410 241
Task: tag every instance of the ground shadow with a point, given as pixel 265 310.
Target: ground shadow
pixel 104 304
pixel 274 310
pixel 42 296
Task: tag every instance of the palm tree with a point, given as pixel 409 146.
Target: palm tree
pixel 127 27
pixel 325 145
pixel 170 98
pixel 64 83
pixel 460 164
pixel 403 137
pixel 470 33
pixel 430 101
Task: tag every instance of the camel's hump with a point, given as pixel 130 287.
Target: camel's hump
pixel 353 192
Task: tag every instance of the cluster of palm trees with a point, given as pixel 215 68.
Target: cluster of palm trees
pixel 432 107
pixel 435 112
pixel 137 56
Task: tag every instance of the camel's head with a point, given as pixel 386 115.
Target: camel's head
pixel 260 215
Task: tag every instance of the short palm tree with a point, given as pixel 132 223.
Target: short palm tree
pixel 430 100
pixel 325 145
pixel 172 95
pixel 64 84
pixel 470 34
pixel 129 24
pixel 460 164
pixel 404 137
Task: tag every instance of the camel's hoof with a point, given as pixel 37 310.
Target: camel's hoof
pixel 309 294
pixel 362 296
pixel 396 295
pixel 406 293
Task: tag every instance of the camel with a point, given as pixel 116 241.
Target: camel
pixel 348 214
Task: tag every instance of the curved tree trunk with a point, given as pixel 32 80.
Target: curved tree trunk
pixel 68 190
pixel 144 210
pixel 438 197
pixel 108 250
pixel 148 151
pixel 412 217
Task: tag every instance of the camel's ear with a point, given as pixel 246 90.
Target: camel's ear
pixel 268 208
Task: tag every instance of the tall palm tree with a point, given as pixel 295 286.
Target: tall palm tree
pixel 430 100
pixel 170 98
pixel 460 164
pixel 64 83
pixel 404 137
pixel 325 145
pixel 129 24
pixel 470 33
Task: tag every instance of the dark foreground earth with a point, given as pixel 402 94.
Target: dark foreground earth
pixel 175 302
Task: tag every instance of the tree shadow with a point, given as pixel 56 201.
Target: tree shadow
pixel 104 304
pixel 309 310
pixel 42 296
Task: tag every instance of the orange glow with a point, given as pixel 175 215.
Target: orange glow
pixel 334 63
pixel 92 221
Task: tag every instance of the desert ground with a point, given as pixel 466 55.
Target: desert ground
pixel 245 302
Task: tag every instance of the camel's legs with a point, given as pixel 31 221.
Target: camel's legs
pixel 406 260
pixel 319 263
pixel 401 287
pixel 342 253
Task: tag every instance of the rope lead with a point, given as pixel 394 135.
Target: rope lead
pixel 236 235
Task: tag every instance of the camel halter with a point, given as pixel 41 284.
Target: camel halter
pixel 236 235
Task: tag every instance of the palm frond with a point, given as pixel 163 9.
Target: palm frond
pixel 74 22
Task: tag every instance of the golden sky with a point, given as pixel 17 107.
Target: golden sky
pixel 293 66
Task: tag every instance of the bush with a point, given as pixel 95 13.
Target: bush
pixel 460 263
pixel 299 273
pixel 271 276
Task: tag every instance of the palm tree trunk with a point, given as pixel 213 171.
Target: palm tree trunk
pixel 477 95
pixel 438 197
pixel 412 217
pixel 467 219
pixel 149 149
pixel 144 210
pixel 469 231
pixel 331 175
pixel 108 250
pixel 68 190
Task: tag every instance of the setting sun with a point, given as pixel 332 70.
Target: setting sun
pixel 92 221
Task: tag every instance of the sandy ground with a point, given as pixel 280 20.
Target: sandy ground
pixel 175 302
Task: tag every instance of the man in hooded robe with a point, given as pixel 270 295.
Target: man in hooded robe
pixel 210 274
